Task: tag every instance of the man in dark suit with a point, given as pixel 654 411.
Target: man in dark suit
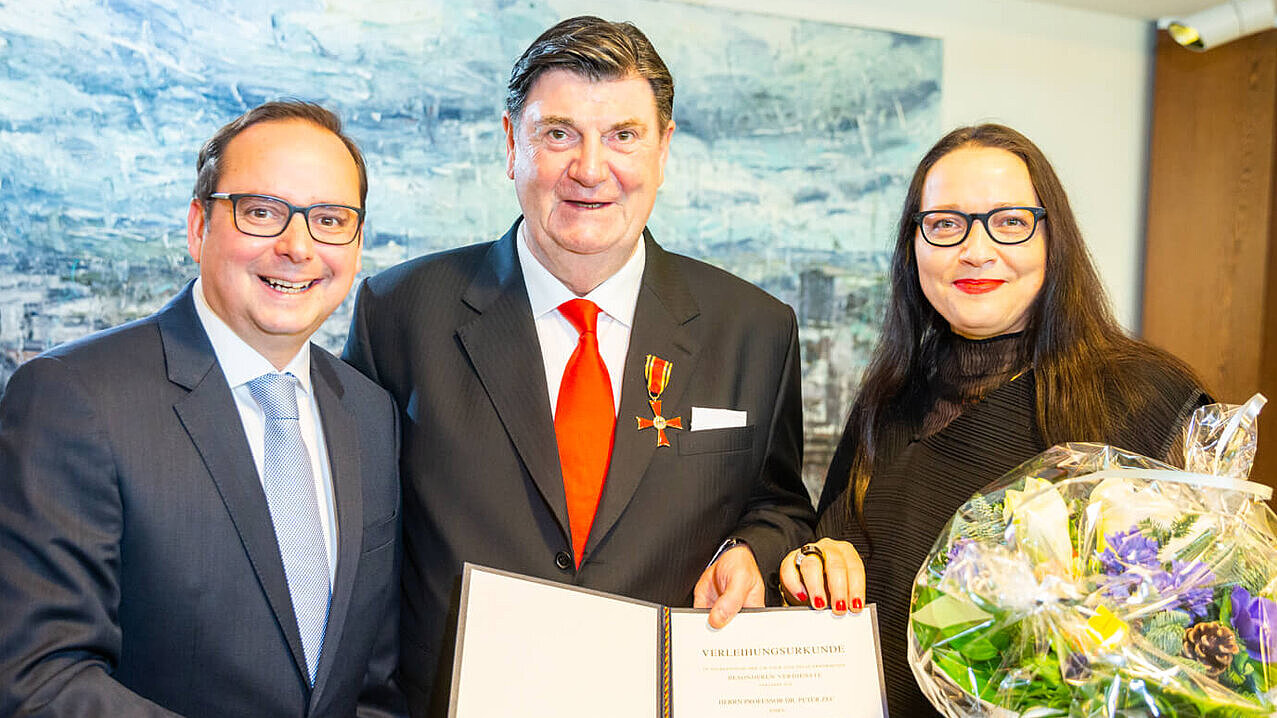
pixel 199 511
pixel 578 403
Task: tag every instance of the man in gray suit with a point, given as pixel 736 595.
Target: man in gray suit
pixel 199 510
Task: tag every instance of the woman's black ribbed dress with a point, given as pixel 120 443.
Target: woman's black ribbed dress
pixel 980 424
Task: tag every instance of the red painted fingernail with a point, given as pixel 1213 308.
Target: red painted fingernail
pixel 857 604
pixel 840 605
pixel 818 602
pixel 802 597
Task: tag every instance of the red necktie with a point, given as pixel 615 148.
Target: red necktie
pixel 584 420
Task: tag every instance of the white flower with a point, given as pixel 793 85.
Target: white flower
pixel 1041 520
pixel 1118 504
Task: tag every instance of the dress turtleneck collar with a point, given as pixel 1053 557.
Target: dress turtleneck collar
pixel 966 370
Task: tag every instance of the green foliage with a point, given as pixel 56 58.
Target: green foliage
pixel 1252 578
pixel 1225 603
pixel 978 649
pixel 922 595
pixel 1164 532
pixel 983 521
pixel 1265 674
pixel 1160 534
pixel 973 679
pixel 1197 546
pixel 975 658
pixel 1166 631
pixel 1182 525
pixel 1242 674
pixel 1245 571
pixel 1047 687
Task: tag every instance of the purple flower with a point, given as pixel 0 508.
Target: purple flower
pixel 1193 583
pixel 1255 620
pixel 1123 585
pixel 1187 586
pixel 958 546
pixel 1127 549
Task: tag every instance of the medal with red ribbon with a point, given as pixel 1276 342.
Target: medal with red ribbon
pixel 657 372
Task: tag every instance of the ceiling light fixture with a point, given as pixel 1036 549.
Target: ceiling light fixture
pixel 1222 23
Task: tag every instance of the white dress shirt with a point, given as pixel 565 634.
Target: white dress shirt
pixel 616 297
pixel 241 364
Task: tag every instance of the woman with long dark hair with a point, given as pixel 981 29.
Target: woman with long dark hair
pixel 998 343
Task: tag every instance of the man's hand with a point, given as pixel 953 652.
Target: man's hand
pixel 728 584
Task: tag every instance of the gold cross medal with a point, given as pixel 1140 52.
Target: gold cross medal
pixel 657 372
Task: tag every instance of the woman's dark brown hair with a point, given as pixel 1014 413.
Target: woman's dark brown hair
pixel 1077 348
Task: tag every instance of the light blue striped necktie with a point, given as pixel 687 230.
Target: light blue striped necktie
pixel 294 510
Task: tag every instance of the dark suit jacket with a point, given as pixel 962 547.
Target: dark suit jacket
pixel 139 572
pixel 452 337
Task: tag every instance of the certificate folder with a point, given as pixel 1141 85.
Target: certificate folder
pixel 531 647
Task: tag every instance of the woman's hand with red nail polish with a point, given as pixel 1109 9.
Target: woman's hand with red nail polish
pixel 828 571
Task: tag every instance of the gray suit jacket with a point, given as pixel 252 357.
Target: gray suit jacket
pixel 139 572
pixel 453 339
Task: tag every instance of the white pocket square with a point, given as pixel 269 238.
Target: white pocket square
pixel 703 418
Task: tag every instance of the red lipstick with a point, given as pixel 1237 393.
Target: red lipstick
pixel 978 286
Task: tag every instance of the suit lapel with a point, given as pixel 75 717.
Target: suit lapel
pixel 503 346
pixel 665 306
pixel 211 420
pixel 341 436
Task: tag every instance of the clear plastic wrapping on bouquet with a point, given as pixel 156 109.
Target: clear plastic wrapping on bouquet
pixel 1094 582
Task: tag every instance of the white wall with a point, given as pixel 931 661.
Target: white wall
pixel 1076 82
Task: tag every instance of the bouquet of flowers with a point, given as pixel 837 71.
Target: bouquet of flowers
pixel 1095 582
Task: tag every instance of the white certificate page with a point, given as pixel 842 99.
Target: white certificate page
pixel 531 648
pixel 777 662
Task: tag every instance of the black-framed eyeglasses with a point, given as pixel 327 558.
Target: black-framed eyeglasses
pixel 1005 225
pixel 261 215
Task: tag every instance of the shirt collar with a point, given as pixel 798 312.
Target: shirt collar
pixel 617 296
pixel 240 362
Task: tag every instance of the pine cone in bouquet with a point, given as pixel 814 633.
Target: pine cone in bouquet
pixel 1211 644
pixel 1096 582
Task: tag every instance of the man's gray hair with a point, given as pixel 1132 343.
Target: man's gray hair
pixel 597 49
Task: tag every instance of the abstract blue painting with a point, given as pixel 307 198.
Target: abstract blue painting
pixel 794 143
